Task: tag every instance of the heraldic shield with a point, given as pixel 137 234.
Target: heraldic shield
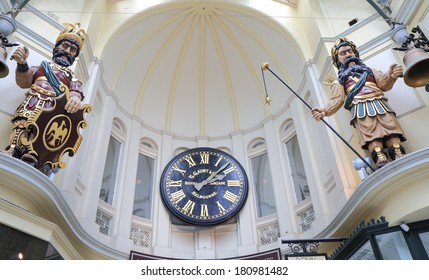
pixel 54 132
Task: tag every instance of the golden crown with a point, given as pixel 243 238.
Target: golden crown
pixel 73 31
pixel 339 43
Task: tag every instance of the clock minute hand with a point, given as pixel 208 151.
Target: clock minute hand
pixel 216 172
pixel 209 179
pixel 220 169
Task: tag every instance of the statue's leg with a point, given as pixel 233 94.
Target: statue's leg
pixel 16 148
pixel 378 156
pixel 394 147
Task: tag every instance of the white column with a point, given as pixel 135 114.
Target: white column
pixel 125 205
pixel 281 198
pixel 84 159
pixel 161 218
pixel 93 83
pixel 66 179
pixel 246 219
pixel 317 191
pixel 95 167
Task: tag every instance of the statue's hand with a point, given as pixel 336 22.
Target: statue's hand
pixel 73 103
pixel 318 113
pixel 396 71
pixel 20 55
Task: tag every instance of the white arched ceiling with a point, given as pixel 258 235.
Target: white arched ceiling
pixel 194 69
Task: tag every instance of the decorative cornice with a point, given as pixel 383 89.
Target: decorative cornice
pixel 376 187
pixel 44 195
pixel 41 41
pixel 44 17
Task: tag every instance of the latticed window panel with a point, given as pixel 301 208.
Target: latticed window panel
pixel 306 218
pixel 269 234
pixel 140 236
pixel 103 220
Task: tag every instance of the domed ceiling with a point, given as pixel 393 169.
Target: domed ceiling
pixel 189 68
pixel 193 68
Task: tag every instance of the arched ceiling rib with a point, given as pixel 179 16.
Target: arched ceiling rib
pixel 194 69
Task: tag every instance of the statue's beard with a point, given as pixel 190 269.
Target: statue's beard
pixel 349 60
pixel 356 70
pixel 62 58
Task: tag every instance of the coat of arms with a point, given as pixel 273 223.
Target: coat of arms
pixel 54 132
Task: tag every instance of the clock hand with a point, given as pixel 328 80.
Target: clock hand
pixel 217 172
pixel 218 177
pixel 198 186
pixel 220 169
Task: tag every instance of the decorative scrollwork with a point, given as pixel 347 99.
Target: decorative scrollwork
pixel 308 247
pixel 64 89
pixel 416 39
pixel 295 247
pixel 312 247
pixel 303 247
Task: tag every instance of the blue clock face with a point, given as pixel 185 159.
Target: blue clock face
pixel 204 186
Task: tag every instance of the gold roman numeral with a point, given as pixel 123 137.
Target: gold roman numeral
pixel 226 171
pixel 204 158
pixel 177 183
pixel 233 183
pixel 230 196
pixel 217 162
pixel 190 161
pixel 220 207
pixel 177 196
pixel 204 210
pixel 189 206
pixel 179 170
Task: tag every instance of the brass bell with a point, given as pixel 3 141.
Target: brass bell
pixel 4 70
pixel 7 27
pixel 416 62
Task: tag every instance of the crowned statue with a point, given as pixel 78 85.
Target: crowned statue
pixel 47 123
pixel 361 90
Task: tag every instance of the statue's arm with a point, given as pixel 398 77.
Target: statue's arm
pixel 23 73
pixel 385 81
pixel 334 104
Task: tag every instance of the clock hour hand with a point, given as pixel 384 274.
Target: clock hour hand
pixel 213 177
pixel 218 177
pixel 198 186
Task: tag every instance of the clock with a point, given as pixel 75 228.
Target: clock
pixel 204 186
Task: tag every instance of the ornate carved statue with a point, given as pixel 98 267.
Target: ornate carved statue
pixel 46 124
pixel 360 90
